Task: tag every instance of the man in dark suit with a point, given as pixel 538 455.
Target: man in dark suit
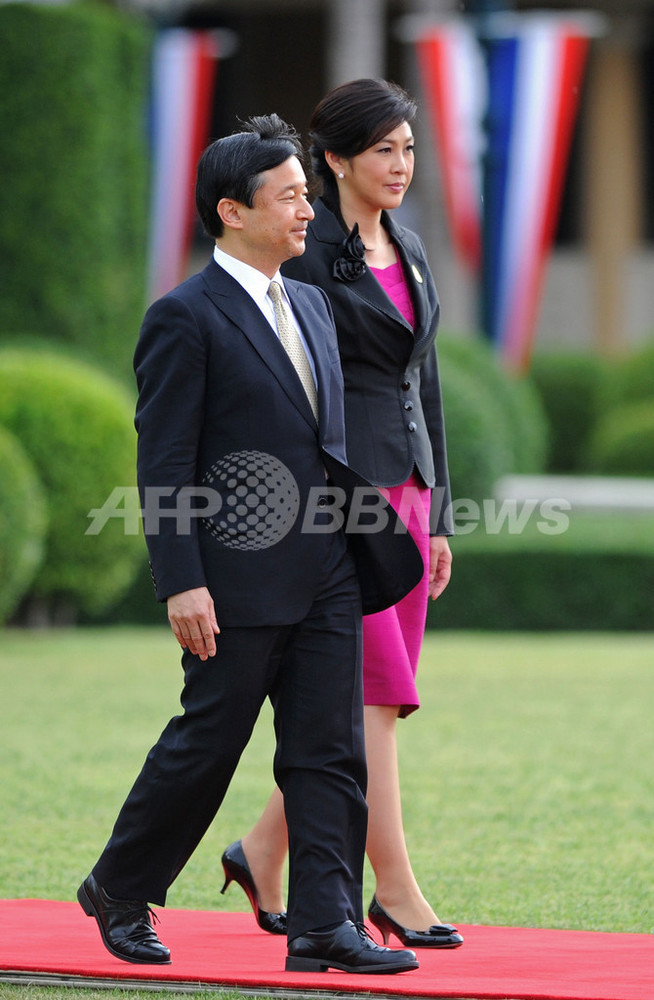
pixel 240 455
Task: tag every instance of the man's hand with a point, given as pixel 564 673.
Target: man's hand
pixel 192 618
pixel 440 565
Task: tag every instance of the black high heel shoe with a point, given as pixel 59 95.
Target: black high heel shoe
pixel 438 935
pixel 236 869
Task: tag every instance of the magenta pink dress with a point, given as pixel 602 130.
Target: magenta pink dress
pixel 392 639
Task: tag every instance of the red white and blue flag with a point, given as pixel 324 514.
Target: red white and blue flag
pixel 526 107
pixel 183 77
pixel 454 82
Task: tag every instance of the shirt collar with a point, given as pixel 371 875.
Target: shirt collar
pixel 255 283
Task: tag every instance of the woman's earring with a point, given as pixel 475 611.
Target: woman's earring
pixel 341 176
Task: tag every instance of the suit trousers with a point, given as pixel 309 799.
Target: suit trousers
pixel 311 671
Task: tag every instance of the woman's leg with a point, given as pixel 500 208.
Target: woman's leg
pixel 265 848
pixel 397 889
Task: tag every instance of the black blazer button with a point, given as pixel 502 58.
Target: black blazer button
pixel 406 386
pixel 412 426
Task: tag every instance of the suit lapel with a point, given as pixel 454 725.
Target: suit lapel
pixel 328 231
pixel 413 268
pixel 239 309
pixel 370 291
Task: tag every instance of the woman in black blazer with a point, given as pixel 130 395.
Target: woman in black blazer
pixel 386 309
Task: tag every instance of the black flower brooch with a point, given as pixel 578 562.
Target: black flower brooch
pixel 351 264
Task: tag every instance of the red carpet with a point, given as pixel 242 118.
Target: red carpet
pixel 228 949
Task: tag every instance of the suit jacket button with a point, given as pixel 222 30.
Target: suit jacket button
pixel 408 405
pixel 406 385
pixel 412 426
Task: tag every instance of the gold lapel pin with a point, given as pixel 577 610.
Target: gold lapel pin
pixel 416 273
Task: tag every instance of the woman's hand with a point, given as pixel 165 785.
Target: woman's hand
pixel 440 565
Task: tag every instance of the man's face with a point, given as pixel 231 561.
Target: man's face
pixel 274 229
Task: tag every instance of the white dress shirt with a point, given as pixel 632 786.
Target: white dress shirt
pixel 256 284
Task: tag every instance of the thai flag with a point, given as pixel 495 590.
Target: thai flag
pixel 535 67
pixel 526 103
pixel 183 77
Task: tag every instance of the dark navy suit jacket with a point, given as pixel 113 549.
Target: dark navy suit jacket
pixel 213 382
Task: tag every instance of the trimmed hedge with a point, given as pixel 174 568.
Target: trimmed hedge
pixel 553 569
pixel 546 590
pixel 74 163
pixel 622 443
pixel 23 523
pixel 76 424
pixel 517 587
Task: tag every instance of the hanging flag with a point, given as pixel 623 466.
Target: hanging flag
pixel 183 78
pixel 454 86
pixel 535 68
pixel 504 137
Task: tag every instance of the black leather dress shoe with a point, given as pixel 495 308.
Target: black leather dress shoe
pixel 124 925
pixel 438 936
pixel 348 947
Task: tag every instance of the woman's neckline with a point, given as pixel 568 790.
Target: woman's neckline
pixel 395 263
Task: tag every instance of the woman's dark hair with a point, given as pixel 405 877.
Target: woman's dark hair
pixel 231 167
pixel 352 118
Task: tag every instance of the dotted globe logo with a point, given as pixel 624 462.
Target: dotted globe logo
pixel 260 500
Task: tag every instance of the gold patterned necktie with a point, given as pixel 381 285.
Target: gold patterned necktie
pixel 293 345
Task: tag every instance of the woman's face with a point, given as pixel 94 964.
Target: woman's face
pixel 379 177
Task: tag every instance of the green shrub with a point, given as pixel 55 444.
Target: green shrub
pixel 76 425
pixel 494 423
pixel 478 447
pixel 73 161
pixel 138 606
pixel 515 397
pixel 572 388
pixel 545 590
pixel 623 440
pixel 633 377
pixel 23 522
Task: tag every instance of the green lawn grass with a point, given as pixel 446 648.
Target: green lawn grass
pixel 528 778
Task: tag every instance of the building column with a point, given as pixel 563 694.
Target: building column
pixel 613 184
pixel 356 40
